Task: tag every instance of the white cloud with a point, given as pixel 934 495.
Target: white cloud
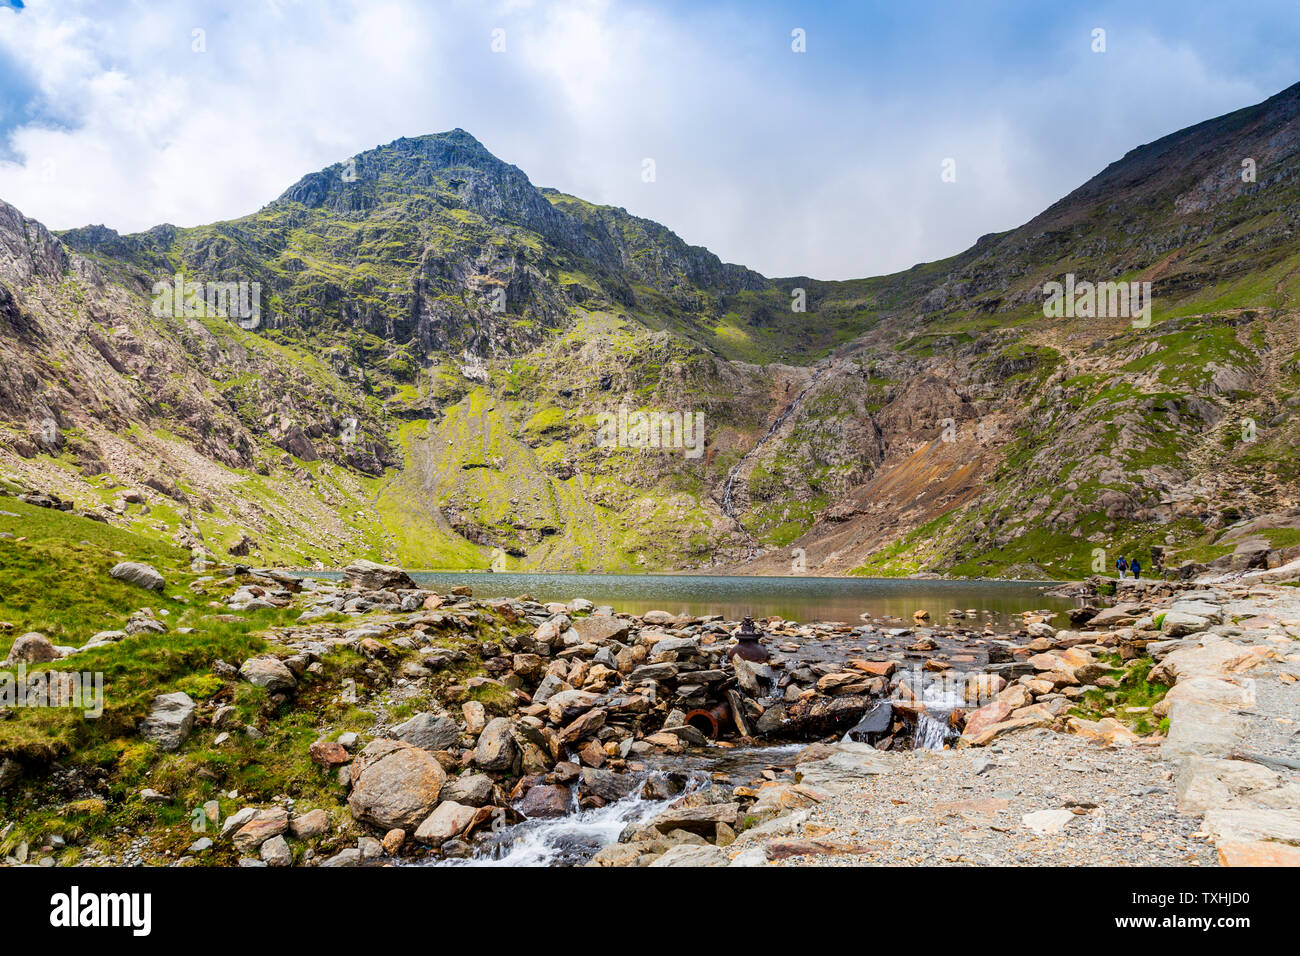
pixel 777 160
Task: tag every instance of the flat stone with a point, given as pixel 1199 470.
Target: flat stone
pixel 449 820
pixel 1046 822
pixel 689 855
pixel 702 819
pixel 1258 853
pixel 265 824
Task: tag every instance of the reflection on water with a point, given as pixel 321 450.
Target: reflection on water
pixel 803 599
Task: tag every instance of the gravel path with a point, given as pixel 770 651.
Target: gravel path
pixel 966 807
pixel 1047 798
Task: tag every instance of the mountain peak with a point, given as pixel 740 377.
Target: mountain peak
pixel 389 171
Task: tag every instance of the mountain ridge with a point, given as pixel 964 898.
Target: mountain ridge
pixel 440 335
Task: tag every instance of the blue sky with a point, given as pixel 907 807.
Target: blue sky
pixel 825 163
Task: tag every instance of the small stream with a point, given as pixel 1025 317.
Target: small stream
pixel 574 839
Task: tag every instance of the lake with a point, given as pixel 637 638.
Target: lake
pixel 803 599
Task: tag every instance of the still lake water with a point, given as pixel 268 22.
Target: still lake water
pixel 803 599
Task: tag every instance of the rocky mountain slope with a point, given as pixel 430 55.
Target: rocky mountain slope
pixel 437 341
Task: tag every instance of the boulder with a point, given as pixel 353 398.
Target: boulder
pixel 702 819
pixel 268 672
pixel 496 748
pixel 276 852
pixel 309 825
pixel 448 820
pixel 546 800
pixel 600 628
pixel 991 713
pixel 471 789
pixel 606 784
pixel 1258 853
pixel 1107 732
pixel 1180 623
pixel 394 784
pixel 170 720
pixel 328 753
pixel 428 731
pixel 141 575
pixel 31 648
pixel 369 576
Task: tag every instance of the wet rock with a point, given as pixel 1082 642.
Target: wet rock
pixel 606 784
pixel 546 800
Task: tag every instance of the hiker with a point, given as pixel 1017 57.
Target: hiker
pixel 1136 567
pixel 1122 564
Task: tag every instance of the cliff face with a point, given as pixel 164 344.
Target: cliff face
pixel 437 340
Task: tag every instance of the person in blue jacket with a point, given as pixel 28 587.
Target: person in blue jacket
pixel 1136 567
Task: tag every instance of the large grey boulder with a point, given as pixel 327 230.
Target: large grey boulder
pixel 599 628
pixel 31 648
pixel 141 575
pixel 428 731
pixel 370 576
pixel 170 720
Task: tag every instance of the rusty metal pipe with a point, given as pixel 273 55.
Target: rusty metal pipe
pixel 711 721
